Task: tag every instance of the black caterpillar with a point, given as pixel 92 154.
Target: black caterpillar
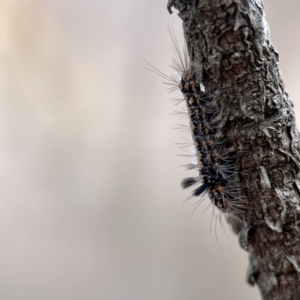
pixel 216 168
pixel 214 156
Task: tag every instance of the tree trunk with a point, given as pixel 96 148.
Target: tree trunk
pixel 229 46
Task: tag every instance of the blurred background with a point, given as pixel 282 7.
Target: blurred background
pixel 90 198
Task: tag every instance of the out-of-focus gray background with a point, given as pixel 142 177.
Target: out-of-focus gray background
pixel 90 197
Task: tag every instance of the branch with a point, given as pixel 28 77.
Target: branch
pixel 232 56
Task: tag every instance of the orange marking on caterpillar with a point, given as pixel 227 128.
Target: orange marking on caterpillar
pixel 191 101
pixel 211 143
pixel 222 189
pixel 217 155
pixel 185 74
pixel 226 201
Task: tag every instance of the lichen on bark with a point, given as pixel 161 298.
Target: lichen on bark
pixel 229 46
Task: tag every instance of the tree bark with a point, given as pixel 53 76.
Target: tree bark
pixel 228 44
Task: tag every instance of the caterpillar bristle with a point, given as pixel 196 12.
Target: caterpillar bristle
pixel 198 191
pixel 191 166
pixel 188 182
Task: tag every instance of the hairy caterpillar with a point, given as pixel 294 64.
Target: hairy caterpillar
pixel 212 156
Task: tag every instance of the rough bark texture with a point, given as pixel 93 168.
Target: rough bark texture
pixel 228 43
